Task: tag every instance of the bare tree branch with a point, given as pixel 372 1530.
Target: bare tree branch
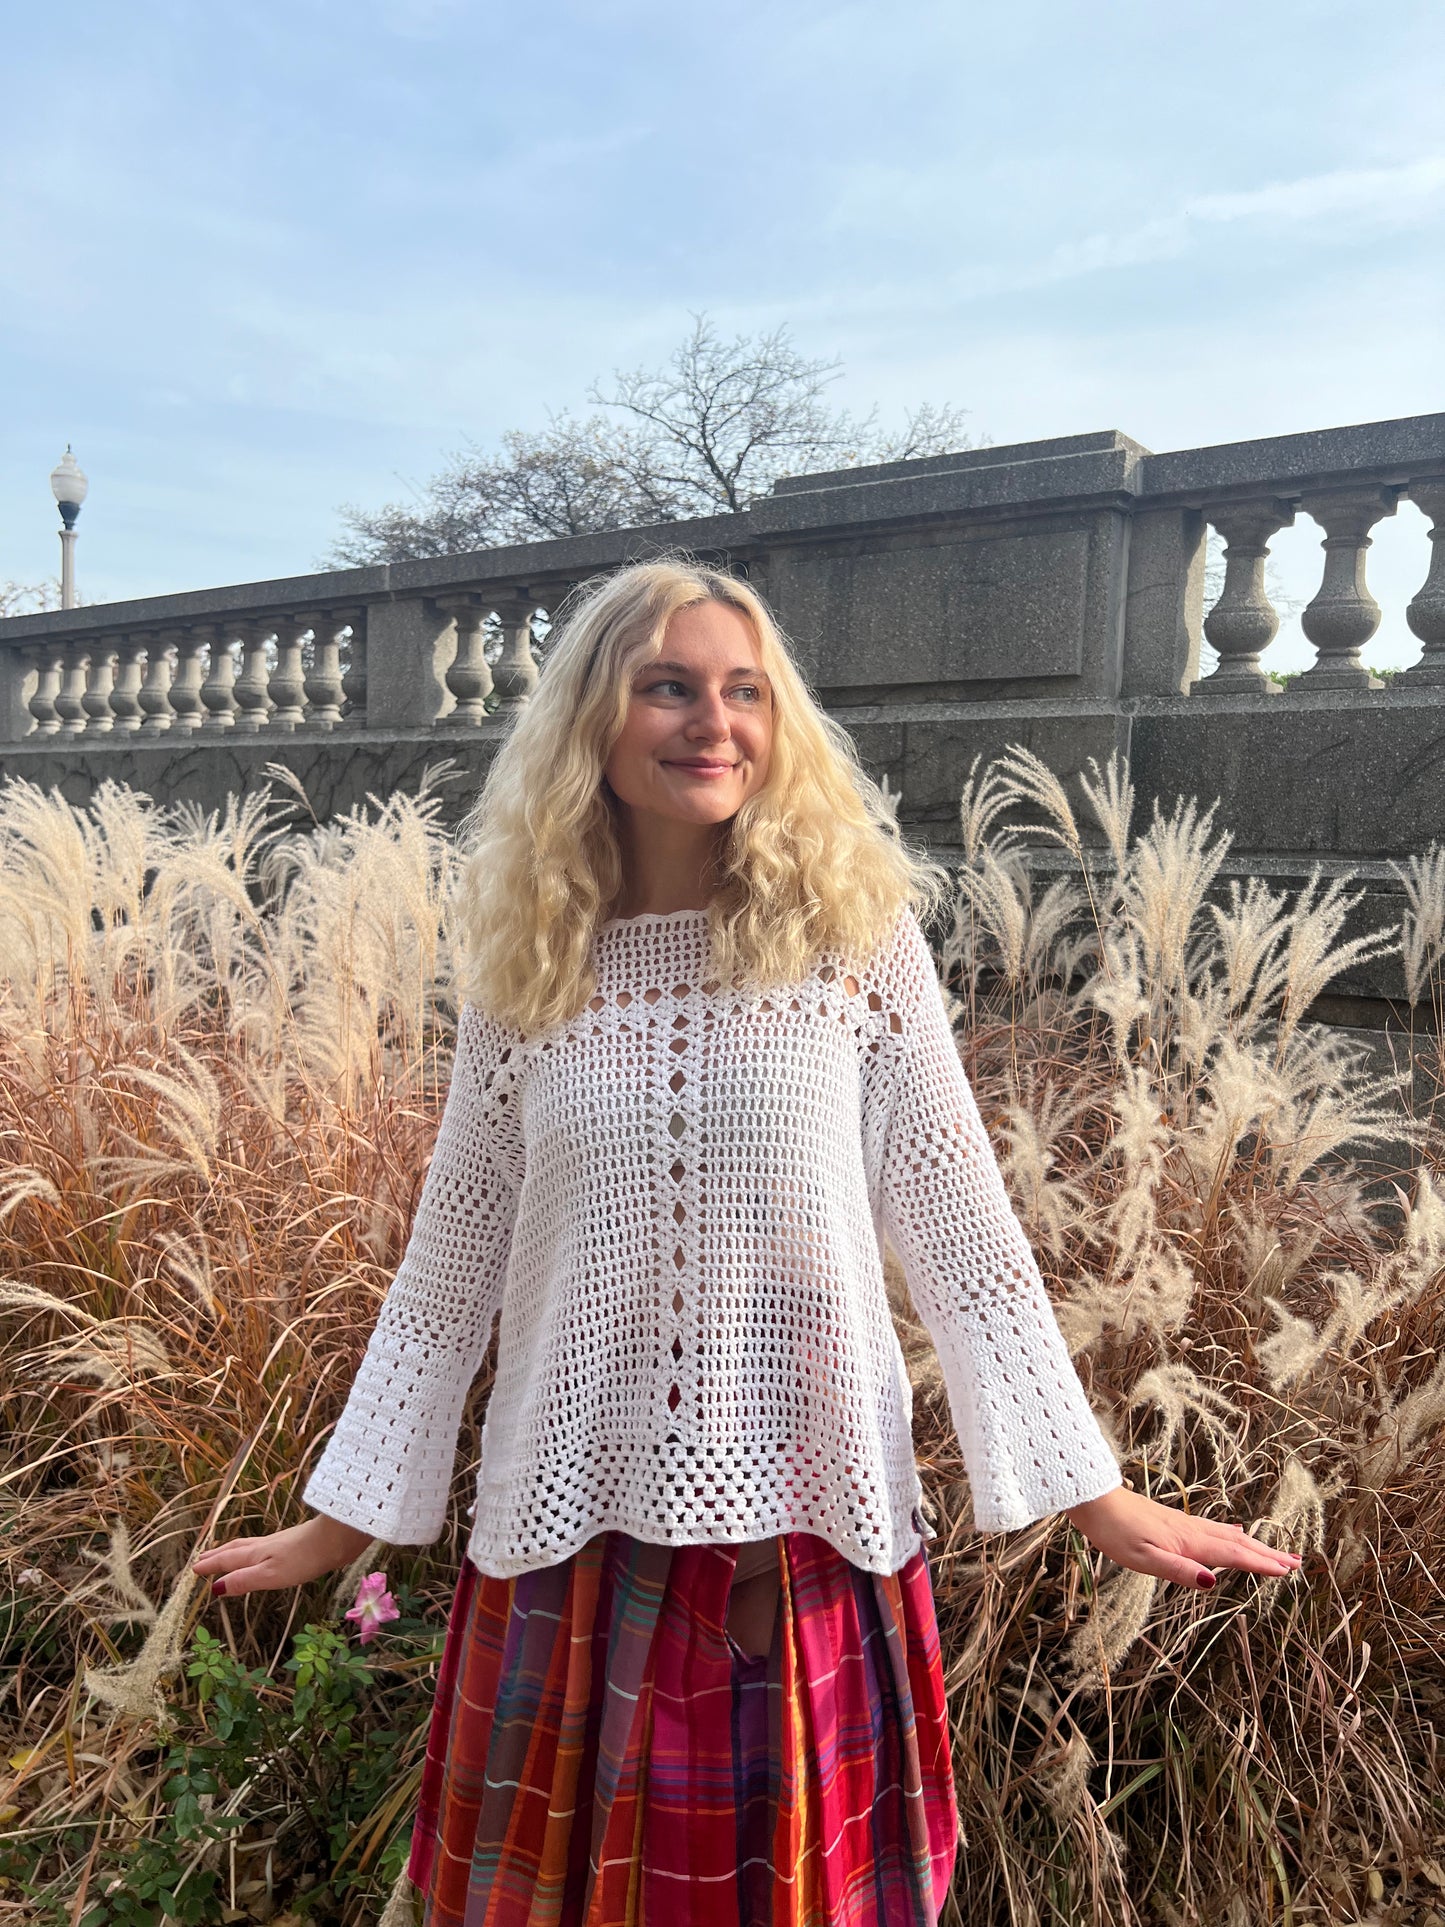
pixel 708 433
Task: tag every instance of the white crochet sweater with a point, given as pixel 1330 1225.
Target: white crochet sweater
pixel 677 1201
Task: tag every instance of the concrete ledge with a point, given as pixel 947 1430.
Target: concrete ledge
pixel 1366 781
pixel 1408 446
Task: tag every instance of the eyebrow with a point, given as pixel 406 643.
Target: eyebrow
pixel 758 675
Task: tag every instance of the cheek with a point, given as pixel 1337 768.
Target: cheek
pixel 630 750
pixel 758 743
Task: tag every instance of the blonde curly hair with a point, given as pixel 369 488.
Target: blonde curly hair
pixel 813 862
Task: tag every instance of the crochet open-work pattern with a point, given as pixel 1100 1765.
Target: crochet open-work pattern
pixel 677 1201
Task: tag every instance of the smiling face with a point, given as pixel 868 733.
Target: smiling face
pixel 699 726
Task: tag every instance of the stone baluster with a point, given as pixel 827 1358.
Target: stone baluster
pixel 552 596
pixel 192 643
pixel 1426 613
pixel 218 691
pixel 1344 615
pixel 253 704
pixel 70 697
pixel 1243 623
pixel 353 683
pixel 48 659
pixel 155 691
pixel 323 685
pixel 287 688
pixel 99 681
pixel 515 674
pixel 125 691
pixel 470 676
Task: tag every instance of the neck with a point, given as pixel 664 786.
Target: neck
pixel 666 865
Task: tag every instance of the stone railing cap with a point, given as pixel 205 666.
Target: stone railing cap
pixel 1105 468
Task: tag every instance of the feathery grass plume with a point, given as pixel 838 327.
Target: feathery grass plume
pixel 1118 991
pixel 1164 887
pixel 1315 953
pixel 133 1691
pixel 1110 796
pixel 981 804
pixel 1033 1156
pixel 1236 1097
pixel 1422 928
pixel 1329 1103
pixel 1031 780
pixel 120 1355
pixel 1099 1647
pixel 1249 949
pixel 20 1184
pixel 1185 1400
pixel 188 1260
pixel 1257 1319
pixel 1000 925
pixel 1138 1149
pixel 17 1296
pixel 1407 1423
pixel 1296 1515
pixel 1064 1783
pixel 1292 1350
pixel 189 1114
pixel 890 798
pixel 128 1601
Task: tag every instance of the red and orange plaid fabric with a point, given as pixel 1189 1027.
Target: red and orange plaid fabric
pixel 603 1755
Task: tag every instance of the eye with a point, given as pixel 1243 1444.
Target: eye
pixel 668 682
pixel 751 690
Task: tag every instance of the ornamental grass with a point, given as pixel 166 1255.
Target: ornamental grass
pixel 224 1044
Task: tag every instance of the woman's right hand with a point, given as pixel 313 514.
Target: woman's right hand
pixel 281 1559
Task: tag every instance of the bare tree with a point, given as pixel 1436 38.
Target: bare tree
pixel 708 433
pixel 28 598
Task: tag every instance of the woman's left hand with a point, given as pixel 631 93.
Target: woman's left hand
pixel 1148 1537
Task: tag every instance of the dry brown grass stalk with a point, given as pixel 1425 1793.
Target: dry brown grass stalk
pixel 223 1043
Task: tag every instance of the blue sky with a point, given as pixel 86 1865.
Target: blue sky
pixel 259 260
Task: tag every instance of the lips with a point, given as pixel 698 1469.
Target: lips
pixel 675 762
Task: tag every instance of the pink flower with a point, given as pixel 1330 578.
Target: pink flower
pixel 374 1607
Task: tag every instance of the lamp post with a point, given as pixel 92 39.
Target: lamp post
pixel 68 485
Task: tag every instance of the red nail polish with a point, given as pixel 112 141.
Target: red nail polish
pixel 218 1589
pixel 1206 1580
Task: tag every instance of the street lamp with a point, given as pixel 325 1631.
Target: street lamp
pixel 68 485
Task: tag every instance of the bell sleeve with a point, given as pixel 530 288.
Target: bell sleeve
pixel 1030 1441
pixel 387 1467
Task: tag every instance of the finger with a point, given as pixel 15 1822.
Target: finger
pixel 243 1579
pixel 1239 1549
pixel 1178 1567
pixel 235 1552
pixel 1239 1537
pixel 1252 1557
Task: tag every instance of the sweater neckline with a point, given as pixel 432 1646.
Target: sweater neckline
pixel 650 916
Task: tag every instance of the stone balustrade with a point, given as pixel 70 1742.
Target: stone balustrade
pixel 1343 615
pixel 1071 567
pixel 1050 593
pixel 265 674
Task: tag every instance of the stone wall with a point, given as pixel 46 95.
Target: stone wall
pixel 1049 594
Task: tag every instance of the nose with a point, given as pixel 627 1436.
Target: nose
pixel 708 720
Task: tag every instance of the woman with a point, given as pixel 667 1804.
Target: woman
pixel 703 1070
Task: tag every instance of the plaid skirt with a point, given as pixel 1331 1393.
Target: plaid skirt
pixel 603 1754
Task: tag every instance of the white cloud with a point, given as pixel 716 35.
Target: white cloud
pixel 1410 194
